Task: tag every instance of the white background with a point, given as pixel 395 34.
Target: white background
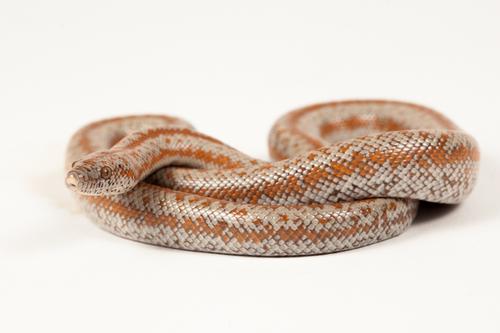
pixel 232 68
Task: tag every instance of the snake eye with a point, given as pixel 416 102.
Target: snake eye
pixel 105 172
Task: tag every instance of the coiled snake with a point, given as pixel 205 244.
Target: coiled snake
pixel 348 174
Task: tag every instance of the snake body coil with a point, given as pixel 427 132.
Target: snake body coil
pixel 348 174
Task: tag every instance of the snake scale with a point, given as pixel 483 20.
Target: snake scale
pixel 346 174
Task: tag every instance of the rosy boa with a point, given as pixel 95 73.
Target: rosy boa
pixel 348 174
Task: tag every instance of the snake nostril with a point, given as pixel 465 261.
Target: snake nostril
pixel 72 180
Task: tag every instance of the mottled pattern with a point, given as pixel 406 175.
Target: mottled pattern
pixel 349 174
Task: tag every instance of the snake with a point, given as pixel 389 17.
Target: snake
pixel 343 175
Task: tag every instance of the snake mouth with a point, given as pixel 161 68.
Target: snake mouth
pixel 73 179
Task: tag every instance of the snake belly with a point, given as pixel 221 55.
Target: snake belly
pixel 346 174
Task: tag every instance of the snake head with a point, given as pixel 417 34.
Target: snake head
pixel 100 173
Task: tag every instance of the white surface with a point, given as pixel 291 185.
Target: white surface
pixel 232 68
